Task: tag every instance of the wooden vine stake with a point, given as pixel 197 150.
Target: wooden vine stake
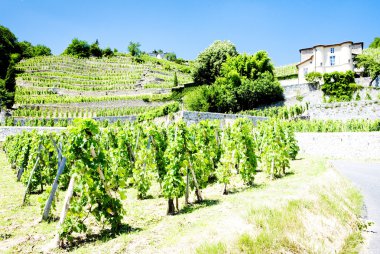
pixel 19 173
pixel 31 174
pixel 198 191
pixel 30 180
pixel 47 208
pixel 187 187
pixel 65 208
pixel 272 170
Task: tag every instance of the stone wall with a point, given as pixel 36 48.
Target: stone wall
pixel 191 117
pixel 346 145
pixel 289 82
pixel 292 90
pixel 10 130
pixel 345 110
pixel 365 81
pixel 111 119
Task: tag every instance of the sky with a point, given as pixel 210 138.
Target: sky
pixel 187 27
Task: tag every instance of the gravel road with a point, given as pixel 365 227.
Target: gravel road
pixel 367 177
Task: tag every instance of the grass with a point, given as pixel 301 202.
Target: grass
pixel 311 210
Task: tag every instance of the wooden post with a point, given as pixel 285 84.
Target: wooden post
pixel 53 190
pixel 198 190
pixel 272 169
pixel 19 173
pixel 187 187
pixel 30 180
pixel 65 208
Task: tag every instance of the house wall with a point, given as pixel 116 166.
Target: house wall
pixel 306 54
pixel 321 60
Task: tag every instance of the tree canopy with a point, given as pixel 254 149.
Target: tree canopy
pixel 209 62
pixel 171 57
pixel 78 48
pixel 8 46
pixel 82 49
pixel 11 52
pixel 370 61
pixel 249 66
pixel 95 50
pixel 245 82
pixel 375 43
pixel 29 51
pixel 134 48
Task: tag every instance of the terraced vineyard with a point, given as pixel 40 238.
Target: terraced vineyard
pixel 58 86
pixel 286 72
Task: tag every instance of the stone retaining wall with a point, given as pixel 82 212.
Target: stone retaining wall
pixel 298 89
pixel 191 117
pixel 345 110
pixel 12 130
pixel 111 119
pixel 346 145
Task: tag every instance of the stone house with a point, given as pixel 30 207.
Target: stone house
pixel 328 58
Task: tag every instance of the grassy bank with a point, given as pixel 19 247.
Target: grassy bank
pixel 311 210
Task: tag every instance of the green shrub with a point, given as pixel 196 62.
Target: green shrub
pixel 196 99
pixel 314 78
pixel 339 86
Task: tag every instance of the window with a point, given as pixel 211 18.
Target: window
pixel 332 60
pixel 332 50
pixel 305 70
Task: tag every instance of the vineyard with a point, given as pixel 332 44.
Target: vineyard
pixel 96 166
pixel 65 86
pixel 115 73
pixel 286 72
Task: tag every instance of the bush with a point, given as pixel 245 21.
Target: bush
pixel 314 78
pixel 235 93
pixel 196 100
pixel 339 86
pixel 262 91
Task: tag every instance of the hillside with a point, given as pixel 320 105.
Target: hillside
pixel 60 84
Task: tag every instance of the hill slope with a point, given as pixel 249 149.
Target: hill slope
pixel 125 84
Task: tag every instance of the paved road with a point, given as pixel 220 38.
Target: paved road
pixel 367 177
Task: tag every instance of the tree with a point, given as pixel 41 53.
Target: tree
pixel 370 61
pixel 171 57
pixel 41 50
pixel 375 43
pixel 8 46
pixel 78 48
pixel 245 82
pixel 27 50
pixel 134 48
pixel 95 50
pixel 209 62
pixel 8 87
pixel 249 66
pixel 107 52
